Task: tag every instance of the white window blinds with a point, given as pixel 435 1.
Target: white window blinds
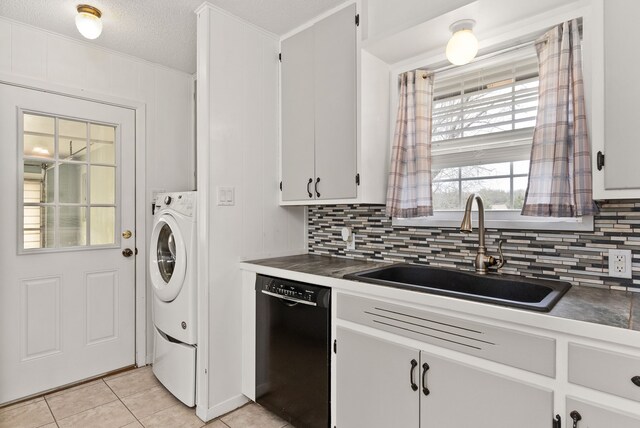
pixel 487 113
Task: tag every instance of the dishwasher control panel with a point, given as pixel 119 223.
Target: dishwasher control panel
pixel 288 290
pixel 292 290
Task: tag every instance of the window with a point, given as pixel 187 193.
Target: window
pixel 68 182
pixel 483 124
pixel 483 119
pixel 502 185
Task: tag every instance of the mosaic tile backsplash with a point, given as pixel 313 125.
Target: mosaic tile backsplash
pixel 578 257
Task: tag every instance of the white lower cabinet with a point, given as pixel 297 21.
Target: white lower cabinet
pixel 374 382
pixel 581 414
pixel 383 384
pixel 457 395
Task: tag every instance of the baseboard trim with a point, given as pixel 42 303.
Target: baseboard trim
pixel 221 408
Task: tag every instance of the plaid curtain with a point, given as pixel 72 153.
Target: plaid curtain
pixel 409 188
pixel 560 172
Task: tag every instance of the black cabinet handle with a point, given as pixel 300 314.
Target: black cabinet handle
pixel 636 380
pixel 557 422
pixel 600 160
pixel 309 191
pixel 316 186
pixel 577 417
pixel 414 364
pixel 425 369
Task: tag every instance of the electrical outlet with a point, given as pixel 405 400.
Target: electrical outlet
pixel 351 244
pixel 620 263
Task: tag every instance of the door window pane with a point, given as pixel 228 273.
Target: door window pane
pixel 103 225
pixel 103 184
pixel 73 183
pixel 40 146
pixel 103 149
pixel 73 226
pixel 72 141
pixel 34 123
pixel 38 227
pixel 42 173
pixel 69 182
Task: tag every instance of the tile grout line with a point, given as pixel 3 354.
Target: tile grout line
pixel 55 420
pixel 122 402
pixel 85 410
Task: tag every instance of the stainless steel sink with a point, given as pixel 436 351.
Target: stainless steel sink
pixel 506 290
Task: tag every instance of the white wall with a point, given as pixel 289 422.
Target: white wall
pixel 41 56
pixel 238 127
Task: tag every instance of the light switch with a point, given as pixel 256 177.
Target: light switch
pixel 226 196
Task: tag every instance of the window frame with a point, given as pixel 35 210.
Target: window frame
pixel 56 203
pixel 510 37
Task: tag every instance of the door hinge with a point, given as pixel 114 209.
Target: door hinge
pixel 335 346
pixel 557 422
pixel 281 186
pixel 600 160
pixel 280 57
pixel 358 179
pixel 357 20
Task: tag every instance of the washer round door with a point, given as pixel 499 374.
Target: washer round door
pixel 168 258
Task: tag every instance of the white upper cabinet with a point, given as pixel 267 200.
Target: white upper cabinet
pixel 335 102
pixel 616 137
pixel 319 110
pixel 324 159
pixel 298 109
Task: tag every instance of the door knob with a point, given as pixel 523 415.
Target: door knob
pixel 127 252
pixel 126 234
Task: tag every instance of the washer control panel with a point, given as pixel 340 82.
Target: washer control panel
pixel 181 202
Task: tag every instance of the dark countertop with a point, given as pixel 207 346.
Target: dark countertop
pixel 607 307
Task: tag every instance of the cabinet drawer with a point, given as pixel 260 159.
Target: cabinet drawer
pixel 511 347
pixel 593 416
pixel 604 370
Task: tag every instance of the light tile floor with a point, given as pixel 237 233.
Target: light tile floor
pixel 130 399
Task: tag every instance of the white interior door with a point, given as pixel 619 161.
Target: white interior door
pixel 67 289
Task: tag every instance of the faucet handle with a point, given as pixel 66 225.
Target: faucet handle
pixel 502 259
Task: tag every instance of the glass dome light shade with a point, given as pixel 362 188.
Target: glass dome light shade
pixel 88 22
pixel 462 47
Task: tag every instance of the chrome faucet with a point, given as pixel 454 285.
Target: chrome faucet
pixel 483 261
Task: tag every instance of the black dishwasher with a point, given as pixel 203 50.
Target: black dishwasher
pixel 293 350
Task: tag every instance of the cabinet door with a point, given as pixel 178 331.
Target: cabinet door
pixel 592 416
pixel 621 64
pixel 373 384
pixel 335 96
pixel 463 396
pixel 297 116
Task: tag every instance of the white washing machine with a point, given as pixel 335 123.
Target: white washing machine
pixel 172 268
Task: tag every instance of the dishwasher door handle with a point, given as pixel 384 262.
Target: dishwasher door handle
pixel 291 299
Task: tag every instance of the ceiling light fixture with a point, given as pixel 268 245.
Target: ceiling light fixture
pixel 463 45
pixel 88 21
